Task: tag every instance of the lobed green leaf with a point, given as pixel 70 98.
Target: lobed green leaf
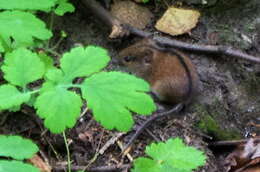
pixel 10 97
pixel 22 27
pixel 144 165
pixel 15 166
pixel 80 62
pixel 59 107
pixel 112 95
pixel 22 67
pixel 17 147
pixel 64 7
pixel 54 75
pixel 171 156
pixel 47 61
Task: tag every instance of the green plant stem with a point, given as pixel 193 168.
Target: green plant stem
pixel 34 91
pixel 68 151
pixel 51 27
pixel 5 45
pixel 52 52
pixel 57 44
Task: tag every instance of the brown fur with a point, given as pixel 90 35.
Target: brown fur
pixel 163 70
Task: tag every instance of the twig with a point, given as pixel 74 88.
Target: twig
pixel 130 158
pixel 154 117
pixel 110 142
pixel 232 142
pixel 123 29
pixel 96 169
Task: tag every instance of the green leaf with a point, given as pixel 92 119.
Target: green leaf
pixel 17 147
pixel 15 166
pixel 144 165
pixel 112 95
pixel 59 108
pixel 170 156
pixel 81 62
pixel 10 97
pixel 22 27
pixel 64 7
pixel 27 4
pixel 54 75
pixel 47 60
pixel 22 67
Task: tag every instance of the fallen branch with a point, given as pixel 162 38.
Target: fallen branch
pixel 233 142
pixel 120 29
pixel 152 118
pixel 96 169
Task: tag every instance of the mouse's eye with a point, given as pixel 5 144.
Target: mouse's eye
pixel 128 58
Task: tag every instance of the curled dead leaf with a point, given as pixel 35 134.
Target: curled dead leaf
pixel 176 21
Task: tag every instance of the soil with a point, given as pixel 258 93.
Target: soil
pixel 227 108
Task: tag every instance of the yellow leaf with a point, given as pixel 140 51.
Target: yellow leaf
pixel 176 21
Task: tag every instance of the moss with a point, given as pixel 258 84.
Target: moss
pixel 252 86
pixel 211 126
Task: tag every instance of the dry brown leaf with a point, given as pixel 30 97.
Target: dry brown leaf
pixel 176 21
pixel 38 162
pixel 131 13
pixel 246 158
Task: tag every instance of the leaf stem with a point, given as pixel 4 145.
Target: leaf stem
pixel 52 52
pixel 51 27
pixel 70 85
pixel 6 47
pixel 34 91
pixel 68 151
pixel 57 44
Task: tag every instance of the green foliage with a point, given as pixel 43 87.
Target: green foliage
pixel 13 22
pixel 63 108
pixel 81 62
pixel 44 5
pixel 170 156
pixel 47 61
pixel 22 67
pixel 108 95
pixel 15 18
pixel 14 166
pixel 17 148
pixel 111 95
pixel 63 7
pixel 11 97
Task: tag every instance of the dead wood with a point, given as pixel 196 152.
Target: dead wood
pixel 120 29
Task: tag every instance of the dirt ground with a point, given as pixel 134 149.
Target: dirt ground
pixel 227 107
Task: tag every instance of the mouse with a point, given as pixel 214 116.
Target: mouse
pixel 171 74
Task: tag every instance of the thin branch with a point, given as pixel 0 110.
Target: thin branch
pixel 121 29
pixel 96 169
pixel 149 121
pixel 232 142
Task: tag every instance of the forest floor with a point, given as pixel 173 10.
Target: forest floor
pixel 227 108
